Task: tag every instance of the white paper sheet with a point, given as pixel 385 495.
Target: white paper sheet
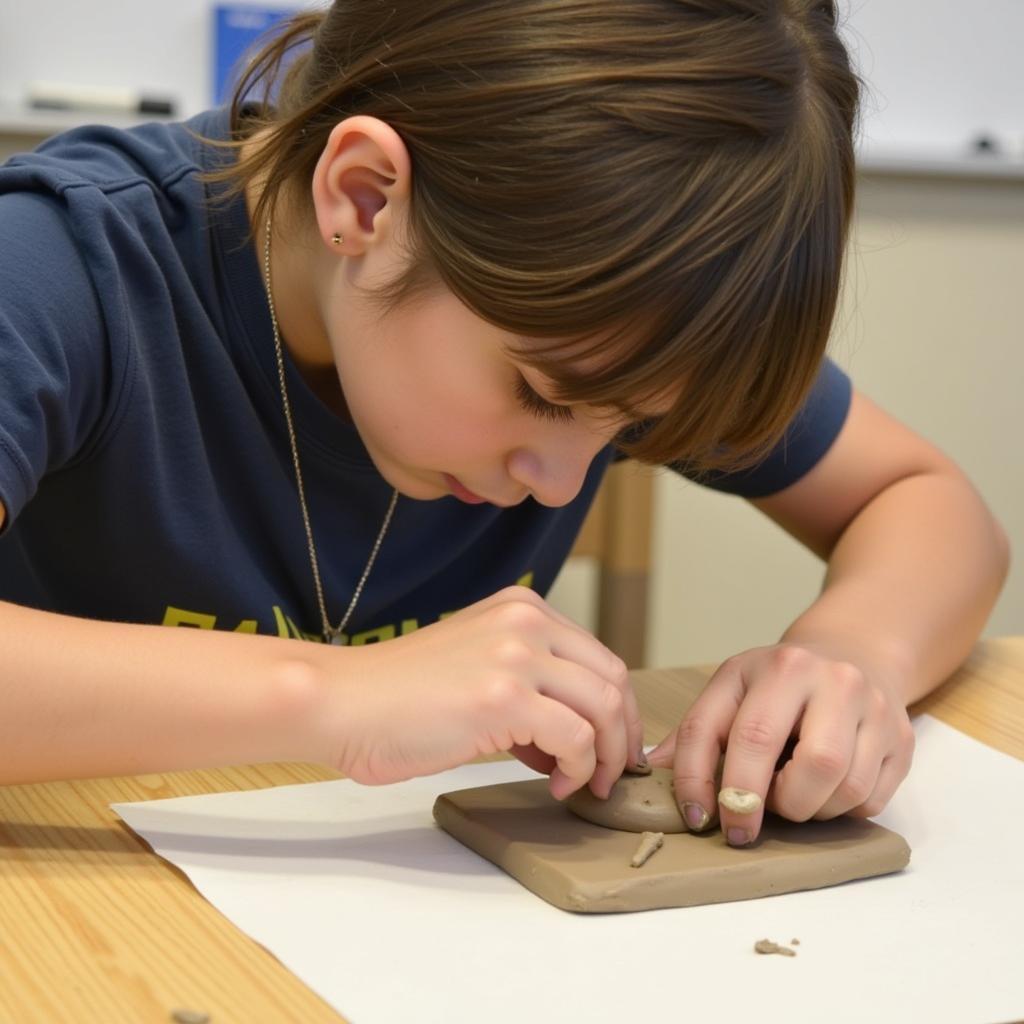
pixel 391 920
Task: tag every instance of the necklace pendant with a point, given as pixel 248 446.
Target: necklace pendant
pixel 335 639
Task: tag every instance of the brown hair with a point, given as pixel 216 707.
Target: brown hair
pixel 667 183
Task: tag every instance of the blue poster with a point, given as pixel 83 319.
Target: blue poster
pixel 236 28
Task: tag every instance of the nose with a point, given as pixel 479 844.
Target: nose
pixel 553 477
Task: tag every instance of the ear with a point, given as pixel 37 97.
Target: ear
pixel 361 184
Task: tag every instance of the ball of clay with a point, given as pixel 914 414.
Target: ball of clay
pixel 638 803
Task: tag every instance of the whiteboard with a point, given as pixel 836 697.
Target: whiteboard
pixel 939 71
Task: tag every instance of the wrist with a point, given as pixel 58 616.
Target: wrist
pixel 297 708
pixel 885 660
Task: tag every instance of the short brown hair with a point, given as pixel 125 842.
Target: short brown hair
pixel 667 182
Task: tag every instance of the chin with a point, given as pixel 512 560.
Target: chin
pixel 409 485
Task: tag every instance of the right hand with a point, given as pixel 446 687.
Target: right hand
pixel 508 673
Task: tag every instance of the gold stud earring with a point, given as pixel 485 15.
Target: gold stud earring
pixel 337 239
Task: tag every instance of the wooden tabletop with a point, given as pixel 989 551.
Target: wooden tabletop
pixel 96 927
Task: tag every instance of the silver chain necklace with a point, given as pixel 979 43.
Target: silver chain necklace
pixel 331 634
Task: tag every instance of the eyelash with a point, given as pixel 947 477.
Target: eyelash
pixel 533 403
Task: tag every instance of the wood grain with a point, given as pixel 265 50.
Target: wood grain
pixel 95 927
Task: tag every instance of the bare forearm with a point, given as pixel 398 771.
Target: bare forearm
pixel 911 581
pixel 80 698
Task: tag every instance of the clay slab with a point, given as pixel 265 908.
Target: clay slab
pixel 582 867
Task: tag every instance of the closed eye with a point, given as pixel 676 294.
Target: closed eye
pixel 538 406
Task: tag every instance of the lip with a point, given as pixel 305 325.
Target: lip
pixel 462 493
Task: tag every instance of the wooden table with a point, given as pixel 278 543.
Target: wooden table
pixel 94 927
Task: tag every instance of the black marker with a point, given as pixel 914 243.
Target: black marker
pixel 62 96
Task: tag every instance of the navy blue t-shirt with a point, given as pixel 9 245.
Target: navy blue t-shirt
pixel 144 459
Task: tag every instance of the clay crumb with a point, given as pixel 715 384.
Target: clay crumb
pixel 767 946
pixel 794 942
pixel 190 1017
pixel 650 843
pixel 640 769
pixel 739 801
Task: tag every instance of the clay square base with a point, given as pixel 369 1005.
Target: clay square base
pixel 584 867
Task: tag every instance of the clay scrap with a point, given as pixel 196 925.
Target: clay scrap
pixel 767 946
pixel 739 801
pixel 650 844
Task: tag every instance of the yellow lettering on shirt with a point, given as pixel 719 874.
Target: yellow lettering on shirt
pixel 181 617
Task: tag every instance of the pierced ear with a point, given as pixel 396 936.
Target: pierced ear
pixel 360 180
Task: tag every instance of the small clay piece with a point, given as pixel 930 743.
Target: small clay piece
pixel 190 1017
pixel 794 942
pixel 650 844
pixel 767 946
pixel 638 803
pixel 639 769
pixel 739 801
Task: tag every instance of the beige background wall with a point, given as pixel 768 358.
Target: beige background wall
pixel 931 327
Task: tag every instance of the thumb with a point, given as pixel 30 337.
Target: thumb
pixel 663 755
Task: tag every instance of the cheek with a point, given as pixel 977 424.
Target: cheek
pixel 423 407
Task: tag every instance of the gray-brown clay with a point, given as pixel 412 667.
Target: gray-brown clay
pixel 650 844
pixel 739 801
pixel 767 946
pixel 580 866
pixel 638 803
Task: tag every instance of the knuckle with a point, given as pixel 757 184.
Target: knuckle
pixel 518 616
pixel 613 702
pixel 791 810
pixel 691 729
pixel 877 704
pixel 854 790
pixel 826 762
pixel 730 666
pixel 582 738
pixel 788 659
pixel 848 680
pixel 869 808
pixel 618 673
pixel 512 653
pixel 500 693
pixel 690 782
pixel 755 735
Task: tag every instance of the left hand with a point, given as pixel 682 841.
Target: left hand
pixel 854 741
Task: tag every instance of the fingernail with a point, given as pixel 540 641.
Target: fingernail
pixel 696 817
pixel 642 767
pixel 738 837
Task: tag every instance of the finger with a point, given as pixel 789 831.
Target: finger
pixel 893 771
pixel 602 705
pixel 582 661
pixel 579 647
pixel 860 780
pixel 699 742
pixel 664 753
pixel 557 730
pixel 534 758
pixel 756 740
pixel 823 756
